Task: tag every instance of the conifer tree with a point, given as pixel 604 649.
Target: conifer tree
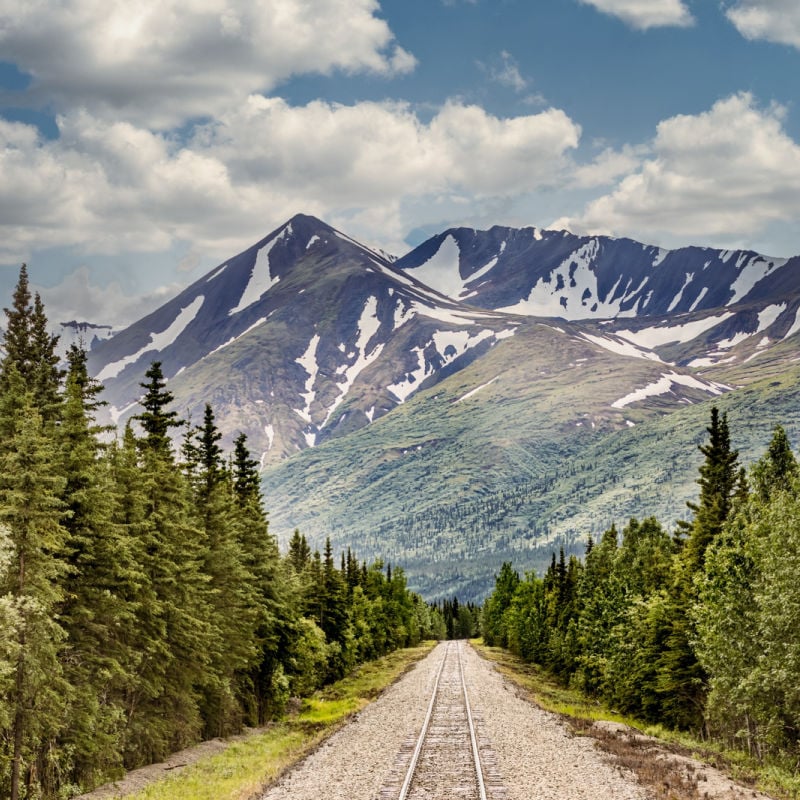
pixel 30 348
pixel 245 472
pixel 30 519
pixel 98 613
pixel 718 480
pixel 777 469
pixel 157 419
pixel 17 339
pixel 681 677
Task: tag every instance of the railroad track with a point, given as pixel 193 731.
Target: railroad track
pixel 447 760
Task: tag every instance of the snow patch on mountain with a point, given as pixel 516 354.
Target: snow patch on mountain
pixel 621 348
pixel 217 273
pixel 664 384
pixel 312 241
pixel 236 338
pixel 478 274
pixel 158 341
pixel 571 291
pixel 658 335
pixel 459 341
pixel 699 299
pixel 766 317
pixel 261 280
pixel 677 298
pixel 660 256
pixel 402 389
pixel 475 390
pixel 368 326
pixel 795 327
pixel 116 413
pixel 84 334
pixel 751 274
pixel 440 272
pixel 308 361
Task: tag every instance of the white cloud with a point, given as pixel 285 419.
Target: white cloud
pixel 644 14
pixel 507 73
pixel 110 187
pixel 774 20
pixel 610 164
pixel 723 175
pixel 159 62
pixel 77 297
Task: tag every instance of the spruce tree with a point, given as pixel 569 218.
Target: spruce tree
pixel 17 339
pixel 98 613
pixel 681 677
pixel 718 482
pixel 157 419
pixel 30 518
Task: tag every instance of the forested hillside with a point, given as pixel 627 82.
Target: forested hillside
pixel 698 629
pixel 143 602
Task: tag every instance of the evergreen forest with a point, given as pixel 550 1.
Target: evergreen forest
pixel 144 604
pixel 697 629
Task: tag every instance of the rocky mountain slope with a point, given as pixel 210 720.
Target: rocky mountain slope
pixel 433 408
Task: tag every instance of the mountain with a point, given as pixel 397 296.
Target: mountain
pixel 86 334
pixel 557 274
pixel 303 336
pixel 489 393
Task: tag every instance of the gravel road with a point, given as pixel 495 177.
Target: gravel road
pixel 531 752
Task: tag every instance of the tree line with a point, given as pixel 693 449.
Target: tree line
pixel 698 629
pixel 144 604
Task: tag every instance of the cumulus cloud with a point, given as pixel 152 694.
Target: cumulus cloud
pixel 724 174
pixel 111 187
pixel 644 14
pixel 159 62
pixel 609 165
pixel 77 297
pixel 773 20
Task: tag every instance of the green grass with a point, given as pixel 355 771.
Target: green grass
pixel 781 781
pixel 248 766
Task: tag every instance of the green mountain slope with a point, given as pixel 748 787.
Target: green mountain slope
pixel 516 454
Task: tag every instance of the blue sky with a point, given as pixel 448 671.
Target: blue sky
pixel 143 143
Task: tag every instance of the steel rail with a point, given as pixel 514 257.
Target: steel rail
pixel 423 733
pixel 472 736
pixel 412 767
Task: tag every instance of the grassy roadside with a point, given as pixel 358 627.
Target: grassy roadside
pixel 246 767
pixel 665 777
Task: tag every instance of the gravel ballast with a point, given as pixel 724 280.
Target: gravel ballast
pixel 534 756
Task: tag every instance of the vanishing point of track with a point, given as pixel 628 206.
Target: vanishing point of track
pixel 445 763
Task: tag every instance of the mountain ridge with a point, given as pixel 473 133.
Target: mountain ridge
pixel 423 376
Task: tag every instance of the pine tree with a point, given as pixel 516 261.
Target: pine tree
pixel 30 348
pixel 98 613
pixel 245 472
pixel 776 470
pixel 46 374
pixel 30 515
pixel 156 419
pixel 681 677
pixel 17 339
pixel 718 481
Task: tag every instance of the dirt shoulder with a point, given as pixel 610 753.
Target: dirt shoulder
pixel 667 771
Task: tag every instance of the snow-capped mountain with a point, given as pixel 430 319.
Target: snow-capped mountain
pixel 693 306
pixel 309 334
pixel 557 274
pixel 278 337
pixel 387 398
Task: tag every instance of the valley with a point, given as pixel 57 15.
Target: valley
pixel 491 394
